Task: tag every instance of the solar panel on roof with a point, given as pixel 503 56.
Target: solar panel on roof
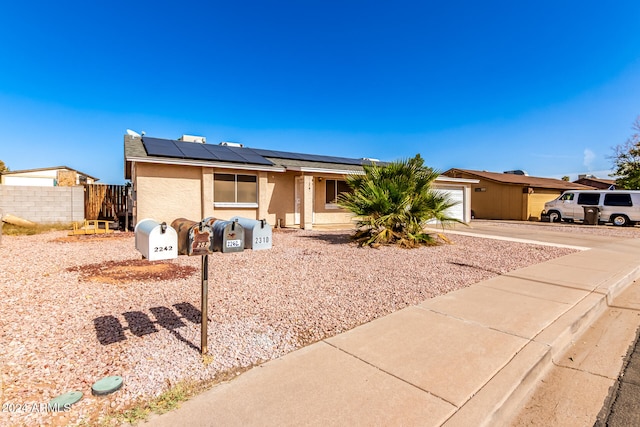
pixel 237 155
pixel 195 150
pixel 249 155
pixel 308 157
pixel 191 150
pixel 161 147
pixel 224 154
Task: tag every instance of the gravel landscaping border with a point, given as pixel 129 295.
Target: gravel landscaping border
pixel 75 310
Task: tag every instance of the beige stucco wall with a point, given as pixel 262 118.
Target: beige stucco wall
pixel 325 214
pixel 498 201
pixel 167 192
pixel 537 199
pixel 280 196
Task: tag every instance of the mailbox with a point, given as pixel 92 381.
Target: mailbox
pixel 194 238
pixel 257 234
pixel 156 241
pixel 228 236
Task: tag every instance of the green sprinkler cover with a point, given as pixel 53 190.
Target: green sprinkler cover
pixel 62 402
pixel 106 385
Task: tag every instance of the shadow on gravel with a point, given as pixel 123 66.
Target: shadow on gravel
pixel 334 239
pixel 109 330
pixel 464 264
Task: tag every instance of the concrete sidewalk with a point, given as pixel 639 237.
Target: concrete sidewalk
pixel 467 358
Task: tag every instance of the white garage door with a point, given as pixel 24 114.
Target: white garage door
pixel 456 196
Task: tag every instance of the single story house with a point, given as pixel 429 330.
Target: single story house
pixel 188 178
pixel 56 176
pixel 599 183
pixel 511 196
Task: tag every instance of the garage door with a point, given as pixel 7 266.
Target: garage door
pixel 456 195
pixel 457 211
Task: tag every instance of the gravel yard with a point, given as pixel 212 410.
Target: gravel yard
pixel 76 309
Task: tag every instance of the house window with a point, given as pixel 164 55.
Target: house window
pixel 332 189
pixel 235 190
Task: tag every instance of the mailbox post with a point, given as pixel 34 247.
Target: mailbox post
pixel 196 238
pixel 191 238
pixel 204 304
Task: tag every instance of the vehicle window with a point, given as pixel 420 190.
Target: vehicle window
pixel 588 198
pixel 623 199
pixel 567 196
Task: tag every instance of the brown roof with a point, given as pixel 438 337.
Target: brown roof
pixel 596 182
pixel 524 180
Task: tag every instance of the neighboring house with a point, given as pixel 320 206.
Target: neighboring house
pixel 57 176
pixel 592 181
pixel 191 179
pixel 510 195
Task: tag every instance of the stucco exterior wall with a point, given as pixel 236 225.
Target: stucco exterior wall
pixel 536 202
pixel 167 192
pixel 280 194
pixel 328 214
pixel 490 200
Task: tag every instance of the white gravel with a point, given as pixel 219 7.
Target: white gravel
pixel 61 332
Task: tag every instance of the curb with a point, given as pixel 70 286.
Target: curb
pixel 500 399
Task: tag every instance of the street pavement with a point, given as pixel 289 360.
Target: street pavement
pixel 477 356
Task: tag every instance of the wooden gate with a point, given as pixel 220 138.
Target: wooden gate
pixel 106 202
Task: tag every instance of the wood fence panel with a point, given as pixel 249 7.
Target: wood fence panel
pixel 103 201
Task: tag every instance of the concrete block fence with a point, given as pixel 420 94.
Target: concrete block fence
pixel 43 204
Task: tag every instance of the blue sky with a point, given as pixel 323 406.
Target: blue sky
pixel 548 86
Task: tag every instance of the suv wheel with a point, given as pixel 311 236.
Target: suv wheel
pixel 554 216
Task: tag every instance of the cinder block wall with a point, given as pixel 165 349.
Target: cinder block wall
pixel 43 204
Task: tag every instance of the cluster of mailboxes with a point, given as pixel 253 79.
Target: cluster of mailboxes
pixel 158 241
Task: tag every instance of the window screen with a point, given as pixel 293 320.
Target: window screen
pixel 247 189
pixel 224 188
pixel 232 188
pixel 335 187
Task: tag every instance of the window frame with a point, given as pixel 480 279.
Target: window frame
pixel 235 204
pixel 333 205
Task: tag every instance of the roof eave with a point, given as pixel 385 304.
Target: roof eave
pixel 219 165
pixel 324 170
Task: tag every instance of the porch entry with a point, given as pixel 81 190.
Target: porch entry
pixel 298 196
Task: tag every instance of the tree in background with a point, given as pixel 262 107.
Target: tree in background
pixel 3 167
pixel 626 160
pixel 393 203
pixel 565 178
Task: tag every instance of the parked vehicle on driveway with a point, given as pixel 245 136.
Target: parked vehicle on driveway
pixel 618 207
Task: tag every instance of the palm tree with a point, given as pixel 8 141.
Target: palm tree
pixel 394 202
